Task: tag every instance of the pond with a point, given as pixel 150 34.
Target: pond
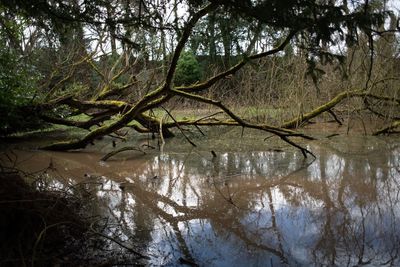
pixel 254 202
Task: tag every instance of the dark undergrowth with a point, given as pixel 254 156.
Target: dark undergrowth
pixel 50 228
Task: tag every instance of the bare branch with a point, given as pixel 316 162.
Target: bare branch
pixel 332 103
pixel 207 84
pixel 282 133
pixel 181 43
pixel 388 129
pixel 127 148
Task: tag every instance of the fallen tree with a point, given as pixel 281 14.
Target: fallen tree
pixel 136 112
pixel 105 115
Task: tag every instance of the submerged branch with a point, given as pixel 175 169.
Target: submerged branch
pixel 115 152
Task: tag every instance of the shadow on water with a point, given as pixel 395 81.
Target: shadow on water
pixel 247 208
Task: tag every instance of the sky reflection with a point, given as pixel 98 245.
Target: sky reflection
pixel 254 208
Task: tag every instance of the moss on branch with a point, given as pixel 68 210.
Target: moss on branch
pixel 326 107
pixel 386 130
pixel 282 133
pixel 127 117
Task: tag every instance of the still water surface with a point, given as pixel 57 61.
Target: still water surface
pixel 250 205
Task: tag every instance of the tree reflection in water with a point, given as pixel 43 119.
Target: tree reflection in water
pixel 261 208
pixel 266 208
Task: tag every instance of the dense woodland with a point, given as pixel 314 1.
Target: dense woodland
pixel 103 65
pixel 117 68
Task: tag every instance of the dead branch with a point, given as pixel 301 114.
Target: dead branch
pixel 161 134
pixel 334 116
pixel 100 104
pixel 154 125
pixel 209 116
pixel 282 133
pixel 71 72
pixel 152 99
pixel 140 129
pixel 207 84
pixel 95 120
pixel 115 90
pixel 319 110
pixel 165 92
pixel 179 127
pixel 332 103
pixel 108 89
pixel 183 40
pixel 115 152
pixel 388 129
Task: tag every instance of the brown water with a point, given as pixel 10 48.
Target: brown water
pixel 250 205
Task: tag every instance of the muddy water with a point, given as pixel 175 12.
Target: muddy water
pixel 249 205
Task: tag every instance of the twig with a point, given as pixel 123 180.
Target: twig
pixel 335 117
pixel 161 133
pixel 198 128
pixel 388 129
pixel 208 116
pixel 120 244
pixel 113 153
pixel 282 133
pixel 179 127
pixel 303 150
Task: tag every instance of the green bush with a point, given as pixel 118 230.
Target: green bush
pixel 17 89
pixel 188 70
